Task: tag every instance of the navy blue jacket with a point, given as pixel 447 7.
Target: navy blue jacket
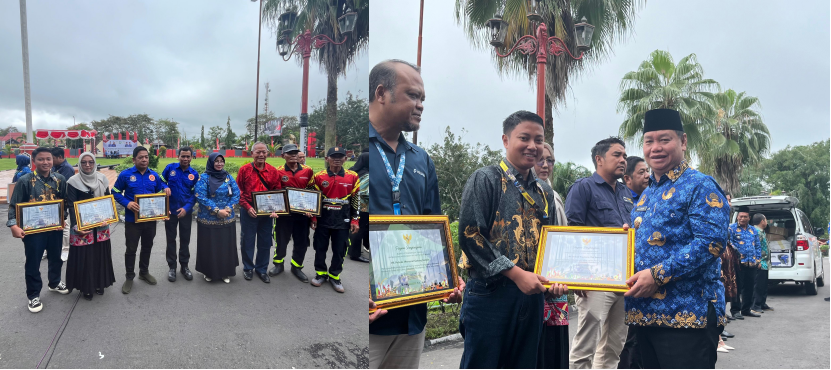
pixel 131 182
pixel 593 202
pixel 181 185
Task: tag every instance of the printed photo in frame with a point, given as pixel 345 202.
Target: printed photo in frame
pixel 304 201
pixel 586 258
pixel 412 260
pixel 152 207
pixel 38 217
pixel 104 213
pixel 263 199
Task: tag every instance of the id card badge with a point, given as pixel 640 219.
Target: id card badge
pixel 396 202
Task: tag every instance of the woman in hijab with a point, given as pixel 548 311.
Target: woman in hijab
pixel 89 266
pixel 216 229
pixel 22 161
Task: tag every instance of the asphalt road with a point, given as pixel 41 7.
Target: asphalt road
pixel 794 336
pixel 186 324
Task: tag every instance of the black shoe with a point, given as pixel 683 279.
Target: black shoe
pixel 186 273
pixel 336 284
pixel 276 270
pixel 729 316
pixel 99 291
pixel 298 273
pixel 88 296
pixel 738 316
pixel 319 280
pixel 827 299
pixel 264 277
pixel 751 314
pixel 248 274
pixel 767 308
pixel 360 259
pixel 758 312
pixel 727 334
pixel 171 275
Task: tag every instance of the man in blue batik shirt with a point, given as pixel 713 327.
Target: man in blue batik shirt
pixel 746 240
pixel 676 299
pixel 181 178
pixel 138 179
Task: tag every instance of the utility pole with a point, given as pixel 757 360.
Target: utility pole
pixel 418 61
pixel 24 38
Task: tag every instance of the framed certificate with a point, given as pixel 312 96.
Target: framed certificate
pixel 587 258
pixel 37 217
pixel 266 202
pixel 304 201
pixel 152 207
pixel 95 212
pixel 412 260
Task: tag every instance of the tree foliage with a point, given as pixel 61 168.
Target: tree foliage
pixel 352 124
pixel 455 161
pixel 167 130
pixel 9 129
pixel 141 123
pixel 563 175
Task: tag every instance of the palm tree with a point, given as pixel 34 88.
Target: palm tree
pixel 735 137
pixel 612 19
pixel 563 175
pixel 321 17
pixel 660 83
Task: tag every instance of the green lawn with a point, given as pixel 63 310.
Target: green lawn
pixel 316 163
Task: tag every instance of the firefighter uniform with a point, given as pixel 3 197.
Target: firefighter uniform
pixel 339 209
pixel 294 226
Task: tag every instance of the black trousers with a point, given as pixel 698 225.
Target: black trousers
pixel 362 235
pixel 184 225
pixel 629 358
pixel 33 246
pixel 760 295
pixel 295 227
pixel 747 289
pixel 321 245
pixel 133 232
pixel 670 348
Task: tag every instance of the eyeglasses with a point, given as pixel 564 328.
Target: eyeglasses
pixel 544 161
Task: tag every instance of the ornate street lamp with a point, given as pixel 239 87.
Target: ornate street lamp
pixel 534 11
pixel 542 45
pixel 303 45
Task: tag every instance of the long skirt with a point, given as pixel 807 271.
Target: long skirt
pixel 554 347
pixel 90 267
pixel 216 250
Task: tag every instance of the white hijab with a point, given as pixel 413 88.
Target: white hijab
pixel 94 181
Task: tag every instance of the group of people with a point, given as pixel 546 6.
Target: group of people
pixel 89 260
pixel 673 314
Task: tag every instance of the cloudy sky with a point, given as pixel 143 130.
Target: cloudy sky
pixel 777 52
pixel 193 61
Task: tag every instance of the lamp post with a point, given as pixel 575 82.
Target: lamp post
pixel 540 44
pixel 257 97
pixel 303 45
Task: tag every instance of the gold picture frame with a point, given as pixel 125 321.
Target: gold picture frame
pixel 284 195
pixel 80 221
pixel 615 283
pixel 153 218
pixel 34 229
pixel 441 225
pixel 292 208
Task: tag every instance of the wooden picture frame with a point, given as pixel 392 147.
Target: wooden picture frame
pixel 106 201
pixel 36 227
pixel 281 193
pixel 303 210
pixel 586 258
pixel 434 280
pixel 154 217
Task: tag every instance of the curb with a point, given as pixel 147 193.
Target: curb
pixel 453 338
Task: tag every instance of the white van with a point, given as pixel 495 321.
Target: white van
pixel 794 248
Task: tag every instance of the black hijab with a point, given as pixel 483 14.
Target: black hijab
pixel 216 178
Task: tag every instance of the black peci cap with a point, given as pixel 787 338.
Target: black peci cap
pixel 662 119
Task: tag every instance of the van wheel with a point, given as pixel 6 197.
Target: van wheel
pixel 821 278
pixel 811 286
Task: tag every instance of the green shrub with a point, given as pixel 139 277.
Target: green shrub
pixel 162 151
pixel 198 167
pixel 824 249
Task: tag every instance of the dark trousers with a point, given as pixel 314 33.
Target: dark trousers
pixel 146 232
pixel 502 327
pixel 629 358
pixel 255 229
pixel 33 246
pixel 760 295
pixel 746 290
pixel 361 236
pixel 670 348
pixel 295 227
pixel 321 245
pixel 184 225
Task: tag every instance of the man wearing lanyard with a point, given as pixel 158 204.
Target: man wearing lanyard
pixel 396 337
pixel 181 178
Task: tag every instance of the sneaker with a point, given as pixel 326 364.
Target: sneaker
pixel 60 288
pixel 226 280
pixel 318 280
pixel 336 284
pixel 34 305
pixel 206 277
pixel 64 255
pixel 758 312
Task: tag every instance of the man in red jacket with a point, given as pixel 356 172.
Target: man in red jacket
pixel 339 214
pixel 252 177
pixel 294 226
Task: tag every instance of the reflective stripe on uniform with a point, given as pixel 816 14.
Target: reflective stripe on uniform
pixel 336 277
pixel 295 264
pixel 322 272
pixel 115 189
